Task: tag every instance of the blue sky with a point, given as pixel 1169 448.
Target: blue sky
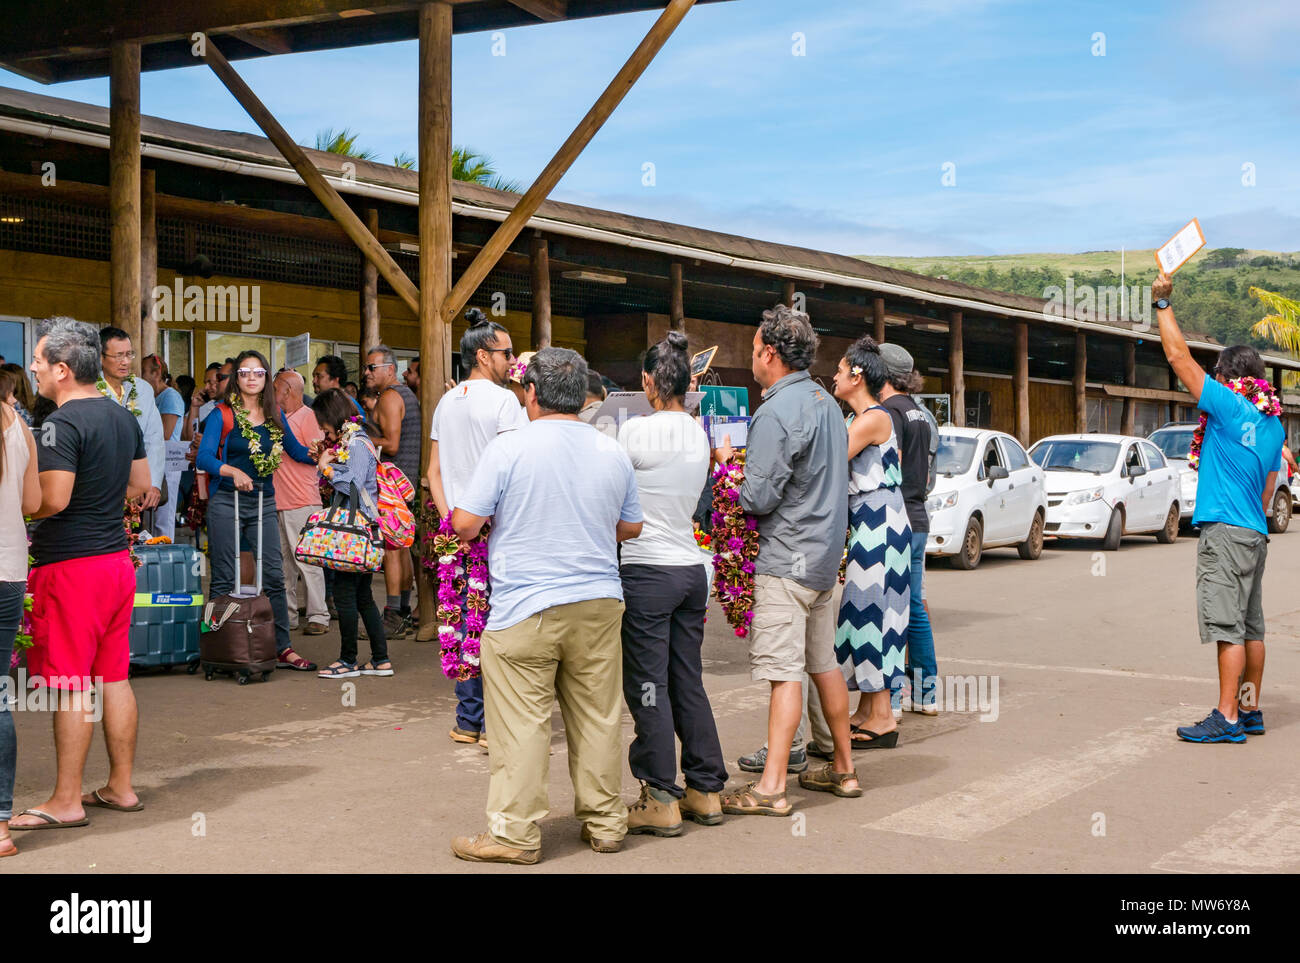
pixel 843 148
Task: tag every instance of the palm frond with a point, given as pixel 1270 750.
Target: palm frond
pixel 1283 326
pixel 405 161
pixel 342 142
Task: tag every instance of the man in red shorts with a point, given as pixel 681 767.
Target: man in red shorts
pixel 91 458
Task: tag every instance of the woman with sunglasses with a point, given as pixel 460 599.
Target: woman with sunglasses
pixel 244 438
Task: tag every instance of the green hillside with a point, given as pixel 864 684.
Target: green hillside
pixel 1211 292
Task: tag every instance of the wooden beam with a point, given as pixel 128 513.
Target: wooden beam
pixel 313 178
pixel 267 39
pixel 1080 382
pixel 124 192
pixel 956 367
pixel 148 266
pixel 878 320
pixel 1020 382
pixel 539 262
pixel 1130 380
pixel 788 293
pixel 676 297
pixel 369 334
pixel 527 205
pixel 434 160
pixel 1146 394
pixel 549 10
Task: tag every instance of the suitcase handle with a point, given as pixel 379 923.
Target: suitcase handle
pixel 239 585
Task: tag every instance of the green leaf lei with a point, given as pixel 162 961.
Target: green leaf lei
pixel 108 392
pixel 265 463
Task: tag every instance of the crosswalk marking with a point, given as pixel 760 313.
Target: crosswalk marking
pixel 1262 837
pixel 985 804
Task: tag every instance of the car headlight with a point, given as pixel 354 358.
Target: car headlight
pixel 940 502
pixel 1084 496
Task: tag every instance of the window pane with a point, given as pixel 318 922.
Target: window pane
pixel 223 346
pixel 1015 455
pixel 179 358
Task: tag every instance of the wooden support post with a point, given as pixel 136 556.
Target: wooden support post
pixel 1130 379
pixel 149 343
pixel 435 246
pixel 878 319
pixel 787 294
pixel 541 264
pixel 1080 382
pixel 124 191
pixel 527 205
pixel 315 181
pixel 956 369
pixel 1021 382
pixel 369 335
pixel 677 298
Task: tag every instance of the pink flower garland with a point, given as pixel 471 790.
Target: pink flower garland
pixel 735 543
pixel 1255 390
pixel 462 600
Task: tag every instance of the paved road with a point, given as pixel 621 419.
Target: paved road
pixel 1080 770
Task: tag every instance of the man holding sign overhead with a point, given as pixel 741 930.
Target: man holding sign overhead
pixel 1236 450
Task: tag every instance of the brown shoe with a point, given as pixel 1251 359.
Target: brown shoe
pixel 484 849
pixel 464 735
pixel 704 808
pixel 600 845
pixel 650 814
pixel 314 628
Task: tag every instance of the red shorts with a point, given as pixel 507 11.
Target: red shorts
pixel 81 621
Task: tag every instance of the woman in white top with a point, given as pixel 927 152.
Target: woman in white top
pixel 20 494
pixel 665 592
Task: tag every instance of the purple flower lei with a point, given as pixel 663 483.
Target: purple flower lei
pixel 736 536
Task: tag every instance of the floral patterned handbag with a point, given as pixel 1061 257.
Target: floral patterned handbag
pixel 340 537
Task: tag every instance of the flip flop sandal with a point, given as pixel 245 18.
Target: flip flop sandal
pixel 826 779
pixel 98 800
pixel 874 740
pixel 50 822
pixel 749 802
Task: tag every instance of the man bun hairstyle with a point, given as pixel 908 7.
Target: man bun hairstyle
pixel 864 354
pixel 791 333
pixel 559 376
pixel 480 334
pixel 669 366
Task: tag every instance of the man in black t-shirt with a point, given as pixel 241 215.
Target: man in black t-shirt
pixel 91 457
pixel 914 430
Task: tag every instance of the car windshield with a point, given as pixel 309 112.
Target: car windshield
pixel 1093 456
pixel 1174 442
pixel 954 455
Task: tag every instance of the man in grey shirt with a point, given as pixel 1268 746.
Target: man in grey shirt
pixel 796 484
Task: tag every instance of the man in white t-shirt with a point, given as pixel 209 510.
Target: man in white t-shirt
pixel 466 421
pixel 562 496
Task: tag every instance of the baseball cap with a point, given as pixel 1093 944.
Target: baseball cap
pixel 897 360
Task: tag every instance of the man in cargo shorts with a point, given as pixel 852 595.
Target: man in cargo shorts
pixel 91 457
pixel 1239 458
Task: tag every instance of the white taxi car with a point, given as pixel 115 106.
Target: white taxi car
pixel 1108 486
pixel 987 494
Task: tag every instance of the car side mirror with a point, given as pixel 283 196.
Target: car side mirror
pixel 1134 471
pixel 995 472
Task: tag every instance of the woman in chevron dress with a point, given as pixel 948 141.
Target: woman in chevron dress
pixel 872 631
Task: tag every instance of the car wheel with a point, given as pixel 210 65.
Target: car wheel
pixel 1032 547
pixel 1114 531
pixel 1169 533
pixel 1281 517
pixel 972 545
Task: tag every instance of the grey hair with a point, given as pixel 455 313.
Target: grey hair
pixel 74 343
pixel 791 333
pixel 560 377
pixel 385 351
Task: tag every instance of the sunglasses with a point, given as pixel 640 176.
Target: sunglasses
pixel 508 352
pixel 252 372
pixel 382 364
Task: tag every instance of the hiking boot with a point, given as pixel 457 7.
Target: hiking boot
pixel 600 845
pixel 816 751
pixel 394 625
pixel 484 849
pixel 1252 721
pixel 656 813
pixel 755 761
pixel 704 808
pixel 1213 728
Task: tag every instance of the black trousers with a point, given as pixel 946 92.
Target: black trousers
pixel 663 683
pixel 353 597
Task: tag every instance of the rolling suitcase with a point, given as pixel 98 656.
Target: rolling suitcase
pixel 238 635
pixel 168 607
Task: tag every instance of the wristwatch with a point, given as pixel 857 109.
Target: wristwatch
pixel 1160 304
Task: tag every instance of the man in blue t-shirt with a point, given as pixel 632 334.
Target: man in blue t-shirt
pixel 1239 459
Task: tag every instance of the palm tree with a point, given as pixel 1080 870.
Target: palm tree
pixel 405 161
pixel 469 165
pixel 343 142
pixel 1281 327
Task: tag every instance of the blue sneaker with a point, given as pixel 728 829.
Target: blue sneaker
pixel 1252 721
pixel 1213 728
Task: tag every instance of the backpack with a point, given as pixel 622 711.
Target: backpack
pixel 396 520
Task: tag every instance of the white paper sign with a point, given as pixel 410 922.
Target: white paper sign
pixel 1179 249
pixel 176 456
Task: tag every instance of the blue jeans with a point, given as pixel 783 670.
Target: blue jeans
pixel 920 638
pixel 469 705
pixel 11 615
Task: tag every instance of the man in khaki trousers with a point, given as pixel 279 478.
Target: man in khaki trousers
pixel 561 495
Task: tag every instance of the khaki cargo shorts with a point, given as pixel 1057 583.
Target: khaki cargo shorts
pixel 793 631
pixel 1230 583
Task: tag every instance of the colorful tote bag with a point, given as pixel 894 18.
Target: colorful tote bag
pixel 341 538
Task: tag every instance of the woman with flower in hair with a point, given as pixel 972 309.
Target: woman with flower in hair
pixel 348 462
pixel 244 438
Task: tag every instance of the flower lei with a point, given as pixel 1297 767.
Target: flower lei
pixel 23 639
pixel 265 463
pixel 342 450
pixel 102 386
pixel 462 600
pixel 1255 390
pixel 735 539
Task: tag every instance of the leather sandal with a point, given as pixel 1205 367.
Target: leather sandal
pixel 748 801
pixel 826 779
